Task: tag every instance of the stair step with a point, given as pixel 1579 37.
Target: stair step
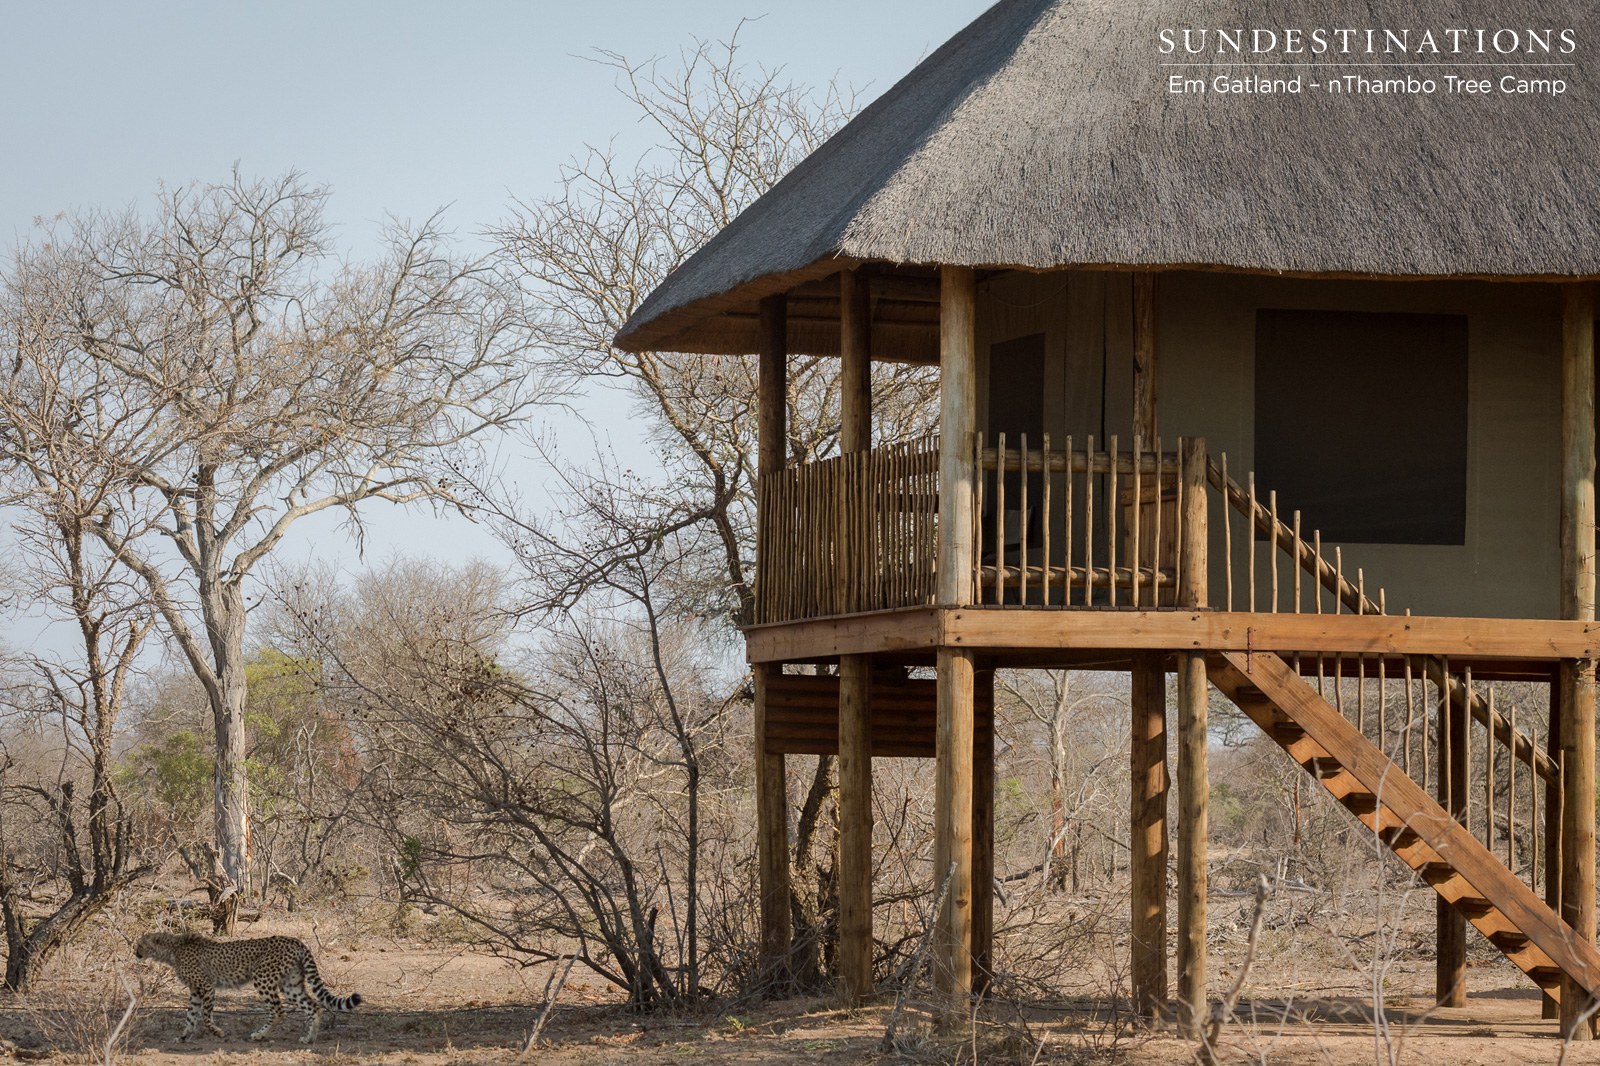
pixel 1475 907
pixel 1545 976
pixel 1399 836
pixel 1324 767
pixel 1436 873
pixel 1288 732
pixel 1360 803
pixel 1509 941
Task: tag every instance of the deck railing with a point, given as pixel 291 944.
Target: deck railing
pixel 1391 701
pixel 853 533
pixel 1078 526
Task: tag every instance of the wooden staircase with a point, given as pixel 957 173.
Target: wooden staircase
pixel 1401 813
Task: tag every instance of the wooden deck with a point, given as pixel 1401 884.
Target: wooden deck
pixel 1520 644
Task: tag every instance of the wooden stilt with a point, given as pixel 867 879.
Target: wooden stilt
pixel 1450 988
pixel 855 828
pixel 772 788
pixel 1551 1007
pixel 855 710
pixel 1577 603
pixel 953 777
pixel 1147 863
pixel 1194 781
pixel 983 835
pixel 952 829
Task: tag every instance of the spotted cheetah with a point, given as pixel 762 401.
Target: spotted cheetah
pixel 273 964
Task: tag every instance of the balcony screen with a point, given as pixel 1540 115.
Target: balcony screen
pixel 1361 423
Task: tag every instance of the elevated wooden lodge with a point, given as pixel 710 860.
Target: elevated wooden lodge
pixel 1258 393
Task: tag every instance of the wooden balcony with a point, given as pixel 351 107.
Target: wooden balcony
pixel 1078 555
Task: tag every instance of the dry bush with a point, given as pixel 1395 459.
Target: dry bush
pixel 90 1005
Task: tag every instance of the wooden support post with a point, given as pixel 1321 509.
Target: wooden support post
pixel 855 827
pixel 958 403
pixel 1144 355
pixel 1450 968
pixel 855 710
pixel 1147 862
pixel 1194 779
pixel 953 779
pixel 983 834
pixel 1147 866
pixel 1577 603
pixel 952 828
pixel 772 786
pixel 1551 1007
pixel 855 363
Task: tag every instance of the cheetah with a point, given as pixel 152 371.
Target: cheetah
pixel 274 964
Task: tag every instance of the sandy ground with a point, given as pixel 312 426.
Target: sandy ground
pixel 431 1006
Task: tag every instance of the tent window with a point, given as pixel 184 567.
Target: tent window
pixel 1016 407
pixel 1361 423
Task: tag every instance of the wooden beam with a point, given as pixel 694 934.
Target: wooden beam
pixel 1578 604
pixel 952 830
pixel 1194 777
pixel 772 781
pixel 855 827
pixel 1147 861
pixel 855 363
pixel 1450 958
pixel 953 777
pixel 855 703
pixel 1522 640
pixel 1550 1007
pixel 1144 355
pixel 772 386
pixel 982 831
pixel 772 846
pixel 958 403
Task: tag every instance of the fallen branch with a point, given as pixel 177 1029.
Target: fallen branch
pixel 914 964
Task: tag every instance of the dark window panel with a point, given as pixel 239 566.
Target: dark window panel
pixel 1361 423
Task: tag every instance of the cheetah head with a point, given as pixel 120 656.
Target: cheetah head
pixel 156 946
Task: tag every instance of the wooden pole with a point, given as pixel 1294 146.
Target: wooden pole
pixel 1552 825
pixel 953 777
pixel 952 828
pixel 1450 988
pixel 1147 863
pixel 855 709
pixel 1194 780
pixel 1148 746
pixel 772 786
pixel 958 402
pixel 1144 355
pixel 855 827
pixel 1577 603
pixel 983 833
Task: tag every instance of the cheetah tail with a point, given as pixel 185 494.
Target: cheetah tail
pixel 314 985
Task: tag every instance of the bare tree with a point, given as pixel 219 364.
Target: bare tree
pixel 237 378
pixel 59 490
pixel 570 782
pixel 587 256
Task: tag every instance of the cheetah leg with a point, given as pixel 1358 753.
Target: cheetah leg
pixel 269 993
pixel 206 1003
pixel 294 991
pixel 191 1017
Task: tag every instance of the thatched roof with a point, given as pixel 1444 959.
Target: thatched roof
pixel 1043 136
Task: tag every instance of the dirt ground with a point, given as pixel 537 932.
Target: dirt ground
pixel 432 1006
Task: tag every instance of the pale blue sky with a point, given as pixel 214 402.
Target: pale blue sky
pixel 401 107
